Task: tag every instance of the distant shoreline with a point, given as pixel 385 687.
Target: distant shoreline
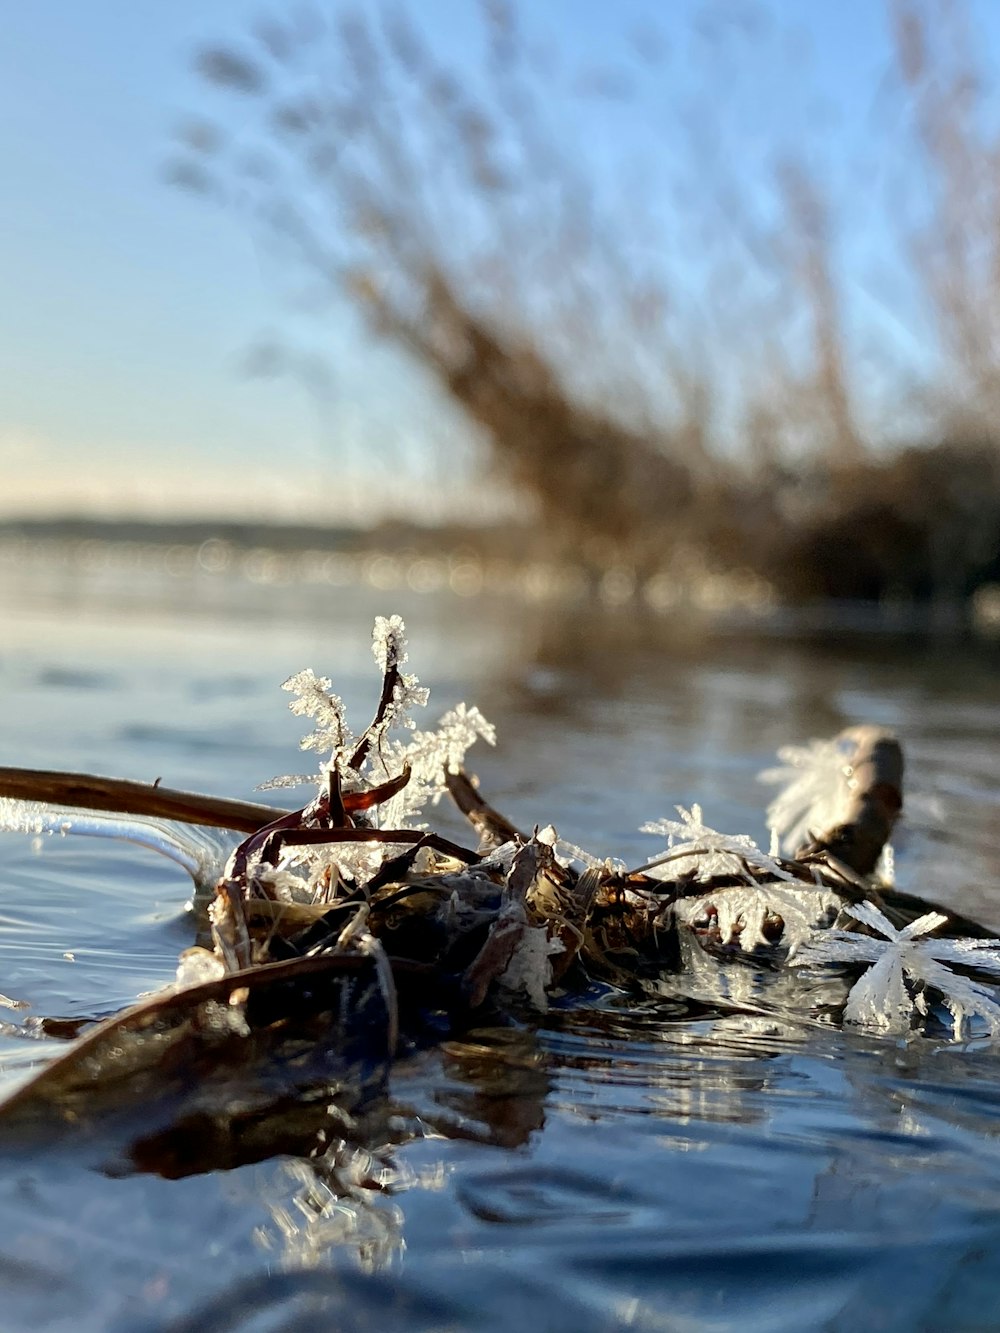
pixel 490 540
pixel 505 560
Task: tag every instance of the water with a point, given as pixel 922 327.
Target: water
pixel 625 1164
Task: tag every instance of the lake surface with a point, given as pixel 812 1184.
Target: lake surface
pixel 622 1164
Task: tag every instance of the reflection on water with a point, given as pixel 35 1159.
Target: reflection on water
pixel 647 1161
pixel 340 1202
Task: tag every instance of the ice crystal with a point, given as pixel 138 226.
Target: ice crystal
pixel 314 698
pixel 429 756
pixel 568 852
pixel 289 780
pixel 313 873
pixel 408 694
pixel 801 910
pixel 881 999
pixel 389 651
pixel 815 782
pixel 500 858
pixel 196 966
pixel 694 846
pixel 885 871
pixel 389 642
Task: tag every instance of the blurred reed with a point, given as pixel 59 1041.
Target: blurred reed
pixel 657 392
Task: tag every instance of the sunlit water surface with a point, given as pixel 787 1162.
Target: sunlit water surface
pixel 622 1165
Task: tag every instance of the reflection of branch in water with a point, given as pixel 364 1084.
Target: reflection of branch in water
pixel 688 1062
pixel 490 1088
pixel 680 1072
pixel 493 1087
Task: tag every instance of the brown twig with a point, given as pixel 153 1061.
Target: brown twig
pixel 299 837
pixel 876 801
pixel 70 1072
pixel 494 828
pixel 389 683
pixel 86 791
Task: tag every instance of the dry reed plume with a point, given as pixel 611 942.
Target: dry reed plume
pixel 450 210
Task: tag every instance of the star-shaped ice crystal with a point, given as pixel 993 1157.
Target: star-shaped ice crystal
pixel 880 999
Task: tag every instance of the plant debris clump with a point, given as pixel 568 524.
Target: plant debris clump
pixel 350 918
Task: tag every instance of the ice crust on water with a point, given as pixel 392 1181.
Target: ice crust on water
pixel 200 851
pixel 880 999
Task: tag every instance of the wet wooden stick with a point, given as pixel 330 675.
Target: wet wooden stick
pixel 86 791
pixel 494 828
pixel 73 1072
pixel 876 801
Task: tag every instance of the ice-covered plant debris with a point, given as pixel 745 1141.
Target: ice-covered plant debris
pixel 356 882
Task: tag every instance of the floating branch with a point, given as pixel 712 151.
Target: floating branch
pixel 332 908
pixel 222 1051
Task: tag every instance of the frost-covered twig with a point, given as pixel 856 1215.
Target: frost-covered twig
pixel 693 846
pixel 841 796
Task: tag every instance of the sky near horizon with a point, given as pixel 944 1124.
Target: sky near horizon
pixel 129 307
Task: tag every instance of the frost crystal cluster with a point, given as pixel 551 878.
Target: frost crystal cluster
pixel 429 755
pixel 745 910
pixel 369 760
pixel 703 852
pixel 816 785
pixel 735 891
pixel 694 846
pixel 313 699
pixel 881 999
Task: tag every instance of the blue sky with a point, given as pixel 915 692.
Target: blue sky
pixel 129 306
